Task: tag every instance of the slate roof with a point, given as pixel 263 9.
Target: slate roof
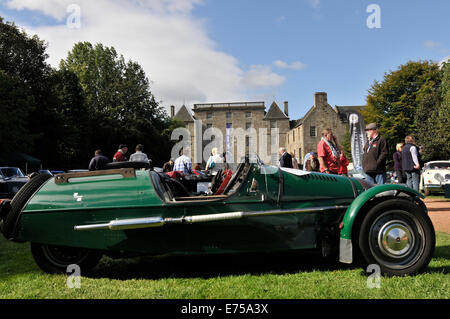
pixel 184 115
pixel 275 113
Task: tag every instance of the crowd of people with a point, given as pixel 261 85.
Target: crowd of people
pixel 99 161
pixel 330 158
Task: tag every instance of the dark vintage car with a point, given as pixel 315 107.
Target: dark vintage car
pixel 11 180
pixel 75 218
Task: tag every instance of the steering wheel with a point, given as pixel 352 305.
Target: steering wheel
pixel 234 178
pixel 217 181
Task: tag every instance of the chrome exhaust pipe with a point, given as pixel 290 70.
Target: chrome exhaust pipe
pixel 150 222
pixel 125 224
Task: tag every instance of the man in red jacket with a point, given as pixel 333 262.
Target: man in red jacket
pixel 328 153
pixel 120 154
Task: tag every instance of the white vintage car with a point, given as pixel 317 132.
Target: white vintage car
pixel 434 176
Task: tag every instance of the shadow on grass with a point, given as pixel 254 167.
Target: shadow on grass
pixel 211 266
pixel 444 253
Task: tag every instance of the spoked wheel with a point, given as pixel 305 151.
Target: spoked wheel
pixel 398 236
pixel 56 259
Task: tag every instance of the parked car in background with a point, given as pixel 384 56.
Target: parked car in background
pixel 45 171
pixel 434 177
pixel 54 172
pixel 11 180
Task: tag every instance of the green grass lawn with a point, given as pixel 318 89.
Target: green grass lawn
pixel 438 196
pixel 265 276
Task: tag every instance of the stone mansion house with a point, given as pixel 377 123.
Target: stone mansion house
pixel 264 131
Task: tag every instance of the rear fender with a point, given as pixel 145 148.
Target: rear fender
pixel 358 207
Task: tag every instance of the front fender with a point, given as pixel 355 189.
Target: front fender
pixel 345 247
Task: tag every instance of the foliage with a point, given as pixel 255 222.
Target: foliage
pixel 72 120
pixel 442 113
pixel 120 104
pixel 394 102
pixel 16 102
pixel 347 145
pixel 96 100
pixel 23 87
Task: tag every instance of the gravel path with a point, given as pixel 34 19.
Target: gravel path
pixel 439 211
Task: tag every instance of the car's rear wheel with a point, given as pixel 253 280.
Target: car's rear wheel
pixel 8 222
pixel 55 259
pixel 399 236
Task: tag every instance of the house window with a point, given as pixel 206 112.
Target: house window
pixel 248 126
pixel 247 141
pixel 312 131
pixel 248 114
pixel 208 126
pixel 273 124
pixel 209 115
pixel 229 115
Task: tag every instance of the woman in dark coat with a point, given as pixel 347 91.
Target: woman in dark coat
pixel 398 163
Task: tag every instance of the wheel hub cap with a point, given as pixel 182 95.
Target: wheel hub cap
pixel 396 239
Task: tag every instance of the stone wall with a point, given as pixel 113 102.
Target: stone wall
pixel 320 116
pixel 239 120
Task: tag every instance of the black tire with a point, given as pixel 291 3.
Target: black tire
pixel 55 259
pixel 399 236
pixel 8 224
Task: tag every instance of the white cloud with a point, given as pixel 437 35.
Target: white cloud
pixel 260 76
pixel 174 49
pixel 297 65
pixel 314 3
pixel 432 44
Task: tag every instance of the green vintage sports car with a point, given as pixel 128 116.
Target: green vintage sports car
pixel 76 218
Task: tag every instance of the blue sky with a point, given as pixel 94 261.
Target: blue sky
pixel 225 51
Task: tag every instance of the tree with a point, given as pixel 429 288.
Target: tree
pixel 72 123
pixel 444 111
pixel 23 57
pixel 119 101
pixel 16 101
pixel 25 86
pixel 394 102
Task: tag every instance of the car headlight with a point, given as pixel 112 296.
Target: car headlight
pixel 438 177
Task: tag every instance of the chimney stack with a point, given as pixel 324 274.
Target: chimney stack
pixel 172 111
pixel 320 99
pixel 286 108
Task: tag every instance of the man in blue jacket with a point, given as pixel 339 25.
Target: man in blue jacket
pixel 98 162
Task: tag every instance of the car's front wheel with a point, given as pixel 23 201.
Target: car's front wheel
pixel 398 236
pixel 56 259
